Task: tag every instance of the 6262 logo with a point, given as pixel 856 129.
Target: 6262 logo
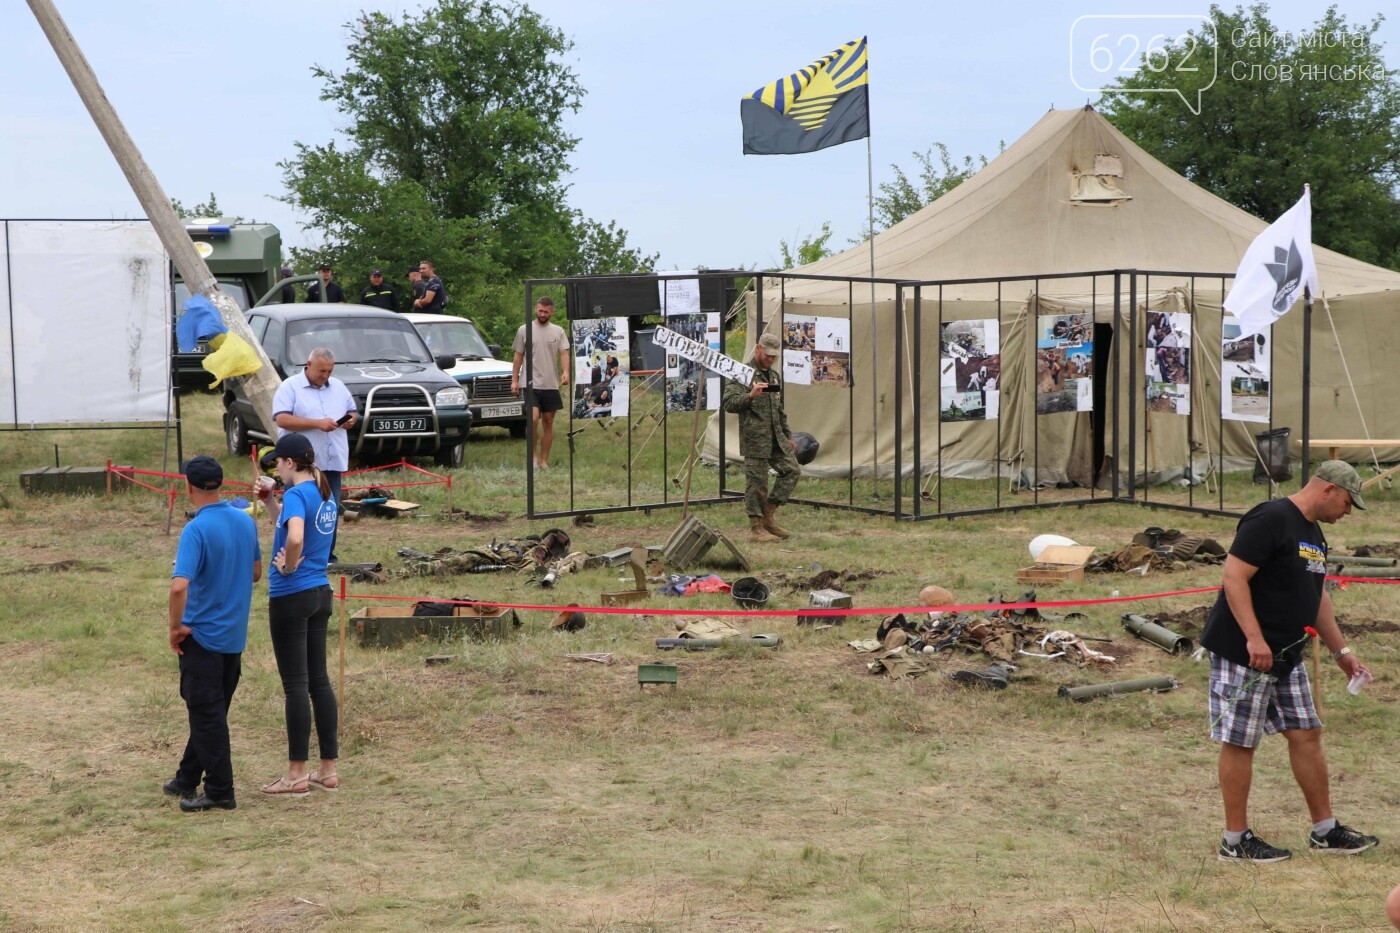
pixel 1104 48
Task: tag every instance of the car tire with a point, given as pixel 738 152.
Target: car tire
pixel 517 429
pixel 452 457
pixel 236 433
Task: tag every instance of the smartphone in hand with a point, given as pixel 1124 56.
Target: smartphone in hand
pixel 344 418
pixel 772 387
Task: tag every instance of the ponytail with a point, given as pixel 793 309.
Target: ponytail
pixel 323 484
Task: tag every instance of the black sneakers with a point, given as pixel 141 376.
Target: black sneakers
pixel 1251 849
pixel 173 788
pixel 1341 840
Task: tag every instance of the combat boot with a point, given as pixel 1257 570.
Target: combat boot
pixel 771 525
pixel 759 532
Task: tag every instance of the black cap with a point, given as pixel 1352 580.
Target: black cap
pixel 376 272
pixel 324 267
pixel 296 446
pixel 203 472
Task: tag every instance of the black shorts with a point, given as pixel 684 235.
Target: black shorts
pixel 546 400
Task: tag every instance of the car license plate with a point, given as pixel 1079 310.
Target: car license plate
pixel 396 425
pixel 502 411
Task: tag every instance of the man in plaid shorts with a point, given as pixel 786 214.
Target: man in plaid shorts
pixel 1256 634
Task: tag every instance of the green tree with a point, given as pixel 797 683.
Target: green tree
pixel 208 208
pixel 454 151
pixel 1285 109
pixel 809 248
pixel 904 196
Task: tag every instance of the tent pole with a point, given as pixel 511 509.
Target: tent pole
pixel 874 344
pixel 1307 383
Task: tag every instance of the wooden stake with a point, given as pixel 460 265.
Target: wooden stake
pixel 1317 676
pixel 690 460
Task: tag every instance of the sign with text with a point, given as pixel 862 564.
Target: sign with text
pixel 710 358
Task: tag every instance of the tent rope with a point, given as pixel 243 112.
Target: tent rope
pixel 1346 370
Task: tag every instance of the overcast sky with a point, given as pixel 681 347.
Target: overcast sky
pixel 215 95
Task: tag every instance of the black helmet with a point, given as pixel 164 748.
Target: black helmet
pixel 807 447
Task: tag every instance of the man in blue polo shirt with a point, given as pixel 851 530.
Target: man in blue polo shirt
pixel 312 404
pixel 211 589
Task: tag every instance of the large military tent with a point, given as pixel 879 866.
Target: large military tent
pixel 1074 195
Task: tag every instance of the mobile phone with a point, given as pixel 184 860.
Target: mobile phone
pixel 345 417
pixel 772 387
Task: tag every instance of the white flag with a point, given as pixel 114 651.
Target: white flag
pixel 1274 270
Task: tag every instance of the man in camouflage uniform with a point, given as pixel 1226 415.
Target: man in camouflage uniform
pixel 764 441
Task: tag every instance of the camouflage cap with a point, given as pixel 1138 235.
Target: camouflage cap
pixel 1343 474
pixel 769 342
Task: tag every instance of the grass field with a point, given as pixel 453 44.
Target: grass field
pixel 512 789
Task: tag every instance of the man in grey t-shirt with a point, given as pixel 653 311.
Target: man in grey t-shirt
pixel 549 371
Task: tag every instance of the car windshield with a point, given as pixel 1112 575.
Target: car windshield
pixel 455 338
pixel 357 340
pixel 233 289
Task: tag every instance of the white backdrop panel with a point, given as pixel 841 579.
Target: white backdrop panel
pixel 88 323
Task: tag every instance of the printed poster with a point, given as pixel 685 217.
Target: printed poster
pixel 969 371
pixel 602 364
pixel 816 351
pixel 1064 363
pixel 679 296
pixel 689 384
pixel 1244 373
pixel 1168 363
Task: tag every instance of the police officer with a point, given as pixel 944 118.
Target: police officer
pixel 379 293
pixel 765 442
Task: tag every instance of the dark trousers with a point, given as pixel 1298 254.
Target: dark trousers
pixel 207 682
pixel 333 477
pixel 298 624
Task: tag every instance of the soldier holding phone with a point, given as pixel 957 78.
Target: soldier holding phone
pixel 765 441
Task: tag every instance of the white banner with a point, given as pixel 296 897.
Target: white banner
pixel 86 301
pixel 726 366
pixel 1274 270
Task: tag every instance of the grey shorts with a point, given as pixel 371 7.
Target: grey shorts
pixel 1245 705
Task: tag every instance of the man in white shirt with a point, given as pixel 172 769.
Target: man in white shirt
pixel 316 404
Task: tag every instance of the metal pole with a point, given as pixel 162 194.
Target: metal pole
pixel 874 343
pixel 1307 383
pixel 259 386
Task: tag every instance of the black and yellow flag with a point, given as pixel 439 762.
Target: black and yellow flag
pixel 824 104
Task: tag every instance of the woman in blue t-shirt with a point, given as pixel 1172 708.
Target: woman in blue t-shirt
pixel 299 609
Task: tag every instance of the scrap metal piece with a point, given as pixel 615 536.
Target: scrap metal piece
pixel 1159 635
pixel 639 576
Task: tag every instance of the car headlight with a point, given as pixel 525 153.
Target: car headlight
pixel 454 397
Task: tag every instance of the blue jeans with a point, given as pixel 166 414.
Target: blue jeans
pixel 333 477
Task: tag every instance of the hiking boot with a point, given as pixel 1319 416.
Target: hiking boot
pixel 1251 849
pixel 993 678
pixel 759 532
pixel 173 788
pixel 772 526
pixel 205 802
pixel 1341 840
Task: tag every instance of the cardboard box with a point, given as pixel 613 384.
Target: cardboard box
pixel 1059 563
pixel 389 627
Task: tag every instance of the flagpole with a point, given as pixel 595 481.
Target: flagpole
pixel 874 345
pixel 1307 383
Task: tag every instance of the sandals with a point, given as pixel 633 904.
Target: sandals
pixel 330 782
pixel 285 787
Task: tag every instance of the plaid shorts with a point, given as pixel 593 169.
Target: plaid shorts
pixel 1245 704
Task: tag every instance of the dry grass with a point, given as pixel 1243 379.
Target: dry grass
pixel 513 789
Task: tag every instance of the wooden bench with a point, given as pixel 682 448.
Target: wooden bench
pixel 1333 445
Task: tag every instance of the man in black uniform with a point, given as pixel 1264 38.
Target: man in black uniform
pixel 379 293
pixel 333 290
pixel 1255 634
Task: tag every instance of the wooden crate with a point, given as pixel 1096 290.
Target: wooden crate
pixel 1058 563
pixel 388 627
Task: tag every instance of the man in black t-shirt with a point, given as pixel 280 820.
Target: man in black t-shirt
pixel 333 290
pixel 1255 633
pixel 434 296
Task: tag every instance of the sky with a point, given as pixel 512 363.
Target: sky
pixel 216 94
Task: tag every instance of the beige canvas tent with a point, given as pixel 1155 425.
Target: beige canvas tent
pixel 1074 195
